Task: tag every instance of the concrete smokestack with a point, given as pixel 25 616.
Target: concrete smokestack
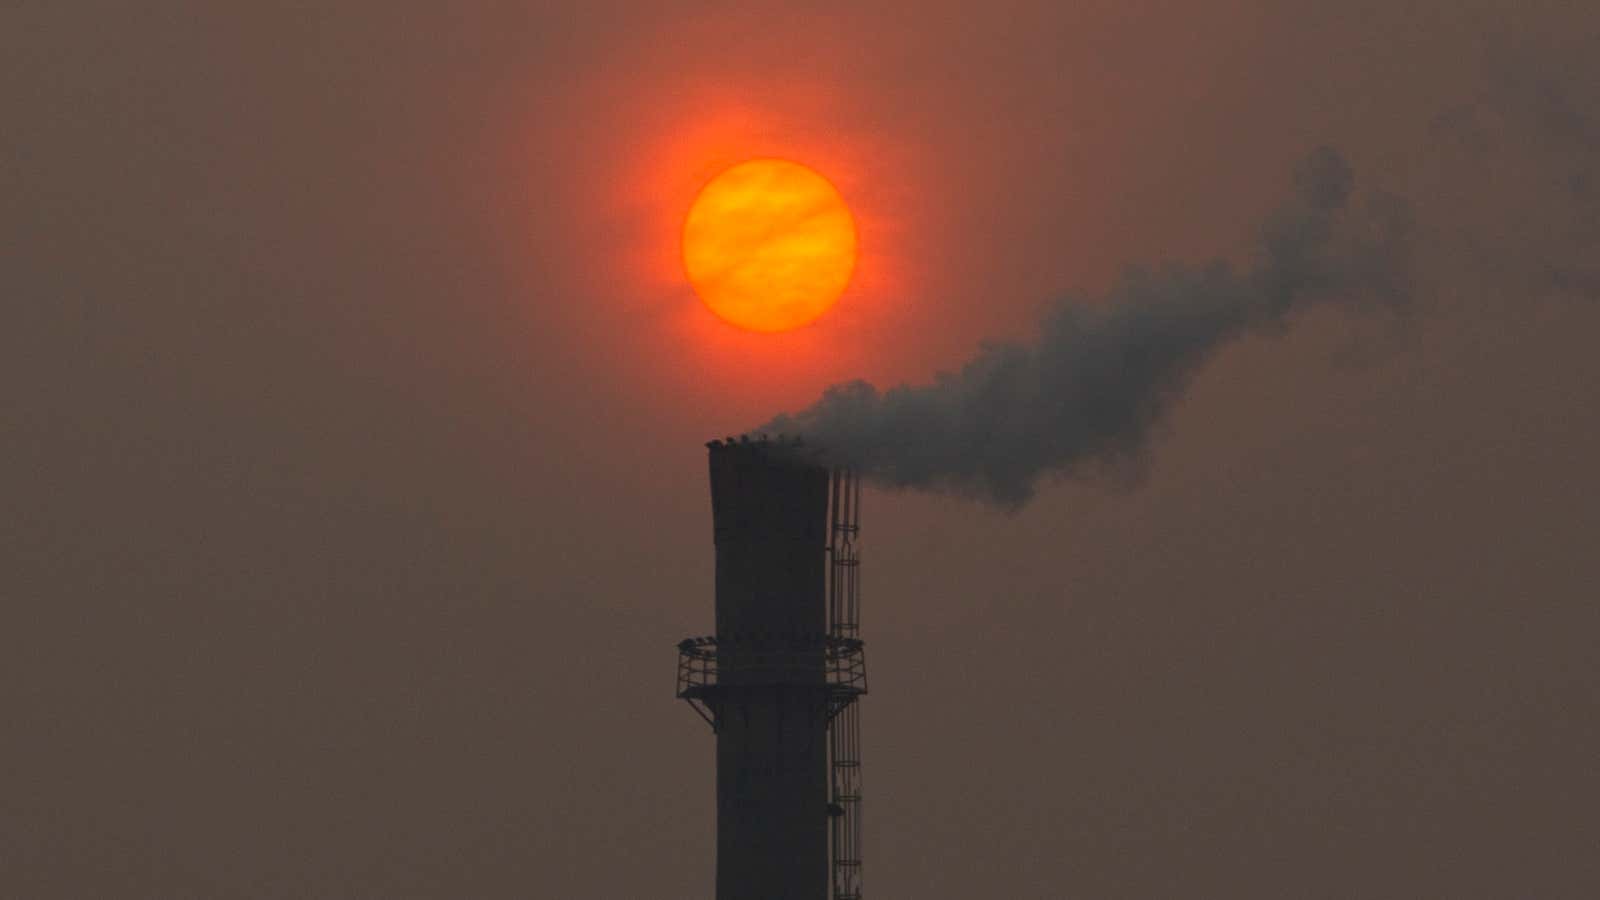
pixel 765 684
pixel 780 680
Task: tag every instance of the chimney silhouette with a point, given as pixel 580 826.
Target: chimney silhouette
pixel 782 674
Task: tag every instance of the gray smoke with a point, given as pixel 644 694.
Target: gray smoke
pixel 1534 119
pixel 1086 394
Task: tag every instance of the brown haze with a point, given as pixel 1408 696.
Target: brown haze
pixel 351 413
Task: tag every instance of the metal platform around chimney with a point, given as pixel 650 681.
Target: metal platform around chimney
pixel 772 662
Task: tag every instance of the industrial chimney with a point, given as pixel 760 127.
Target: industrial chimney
pixel 779 680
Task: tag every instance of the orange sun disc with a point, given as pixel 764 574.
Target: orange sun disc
pixel 769 245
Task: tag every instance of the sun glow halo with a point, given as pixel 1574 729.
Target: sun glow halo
pixel 769 245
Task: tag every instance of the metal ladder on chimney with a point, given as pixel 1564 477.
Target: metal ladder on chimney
pixel 844 728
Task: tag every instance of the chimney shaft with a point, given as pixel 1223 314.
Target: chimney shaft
pixel 770 523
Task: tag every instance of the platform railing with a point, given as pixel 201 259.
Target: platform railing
pixel 707 666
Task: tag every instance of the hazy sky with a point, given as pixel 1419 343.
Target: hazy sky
pixel 352 411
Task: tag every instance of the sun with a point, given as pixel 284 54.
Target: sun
pixel 769 245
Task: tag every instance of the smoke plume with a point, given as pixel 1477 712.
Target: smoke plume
pixel 1088 392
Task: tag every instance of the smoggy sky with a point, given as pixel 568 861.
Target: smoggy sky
pixel 352 408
